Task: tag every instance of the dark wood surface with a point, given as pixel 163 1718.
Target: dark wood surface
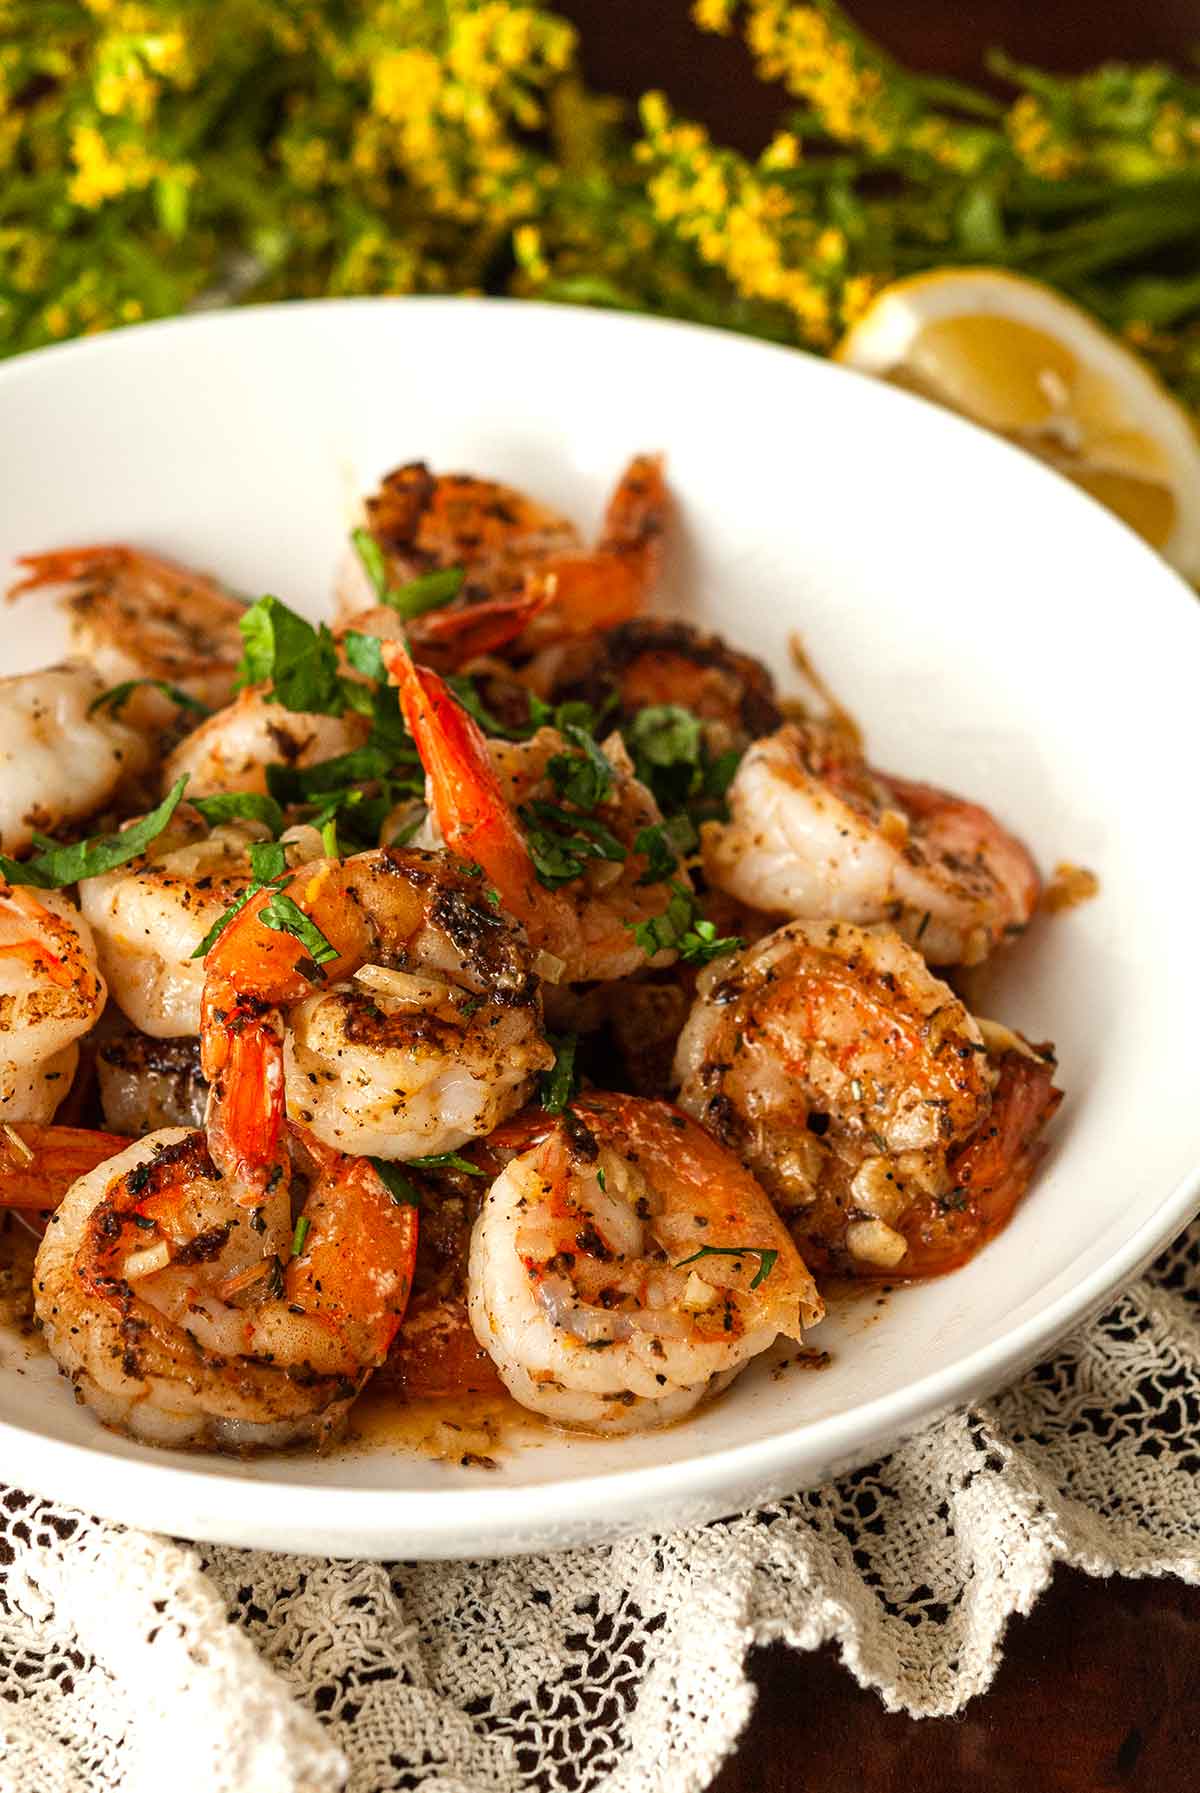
pixel 1100 1686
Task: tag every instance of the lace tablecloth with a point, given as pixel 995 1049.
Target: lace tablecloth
pixel 129 1661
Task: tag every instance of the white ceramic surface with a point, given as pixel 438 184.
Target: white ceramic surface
pixel 995 631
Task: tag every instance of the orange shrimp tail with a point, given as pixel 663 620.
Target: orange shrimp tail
pixel 459 635
pixel 468 804
pixel 62 565
pixel 39 1164
pixel 609 584
pixel 246 1107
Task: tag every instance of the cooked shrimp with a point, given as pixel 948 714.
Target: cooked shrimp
pixel 863 1095
pixel 624 1265
pixel 135 615
pixel 815 833
pixel 51 993
pixel 186 1317
pixel 145 1084
pixel 509 544
pixel 232 750
pixel 39 1164
pixel 59 759
pixel 149 916
pixel 653 660
pixel 447 639
pixel 584 928
pixel 421 1032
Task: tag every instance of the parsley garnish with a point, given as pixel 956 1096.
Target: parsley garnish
pixel 268 866
pixel 299 662
pixel 584 778
pixel 682 928
pixel 560 843
pixel 403 1192
pixel 558 1085
pixel 241 806
pixel 427 592
pixel 766 1258
pixel 670 758
pixel 118 696
pixel 665 844
pixel 56 866
pixel 447 1161
pixel 287 917
pixel 300 1235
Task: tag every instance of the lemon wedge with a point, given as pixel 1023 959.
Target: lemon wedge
pixel 1019 358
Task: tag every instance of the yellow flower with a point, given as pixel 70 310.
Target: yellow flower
pixel 714 15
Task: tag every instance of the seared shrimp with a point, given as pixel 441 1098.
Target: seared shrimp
pixel 864 1096
pixel 624 1265
pixel 145 1084
pixel 420 1031
pixel 59 759
pixel 815 833
pixel 232 750
pixel 186 1317
pixel 481 792
pixel 652 660
pixel 148 917
pixel 137 616
pixel 51 992
pixel 508 545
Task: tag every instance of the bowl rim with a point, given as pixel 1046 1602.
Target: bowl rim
pixel 458 1521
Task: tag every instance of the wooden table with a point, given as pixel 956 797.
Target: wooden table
pixel 1100 1686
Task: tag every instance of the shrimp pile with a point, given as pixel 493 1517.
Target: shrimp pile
pixel 497 990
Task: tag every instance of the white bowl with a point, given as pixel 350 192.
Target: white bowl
pixel 994 630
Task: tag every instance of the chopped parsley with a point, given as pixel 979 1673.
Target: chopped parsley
pixel 447 1161
pixel 268 866
pixel 558 1085
pixel 584 777
pixel 287 917
pixel 115 699
pixel 241 806
pixel 665 844
pixel 666 744
pixel 54 866
pixel 402 1189
pixel 298 662
pixel 430 591
pixel 561 843
pixel 683 929
pixel 300 1235
pixel 766 1258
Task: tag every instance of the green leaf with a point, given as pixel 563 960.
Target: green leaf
pixel 447 1161
pixel 584 778
pixel 299 662
pixel 403 1192
pixel 57 866
pixel 429 591
pixel 300 1235
pixel 268 860
pixel 371 556
pixel 766 1258
pixel 558 1085
pixel 286 917
pixel 115 699
pixel 561 843
pixel 240 806
pixel 665 844
pixel 365 654
pixel 681 928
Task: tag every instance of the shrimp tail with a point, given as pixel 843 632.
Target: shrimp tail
pixel 242 1056
pixel 601 587
pixel 39 1164
pixel 60 566
pixel 465 795
pixel 481 628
